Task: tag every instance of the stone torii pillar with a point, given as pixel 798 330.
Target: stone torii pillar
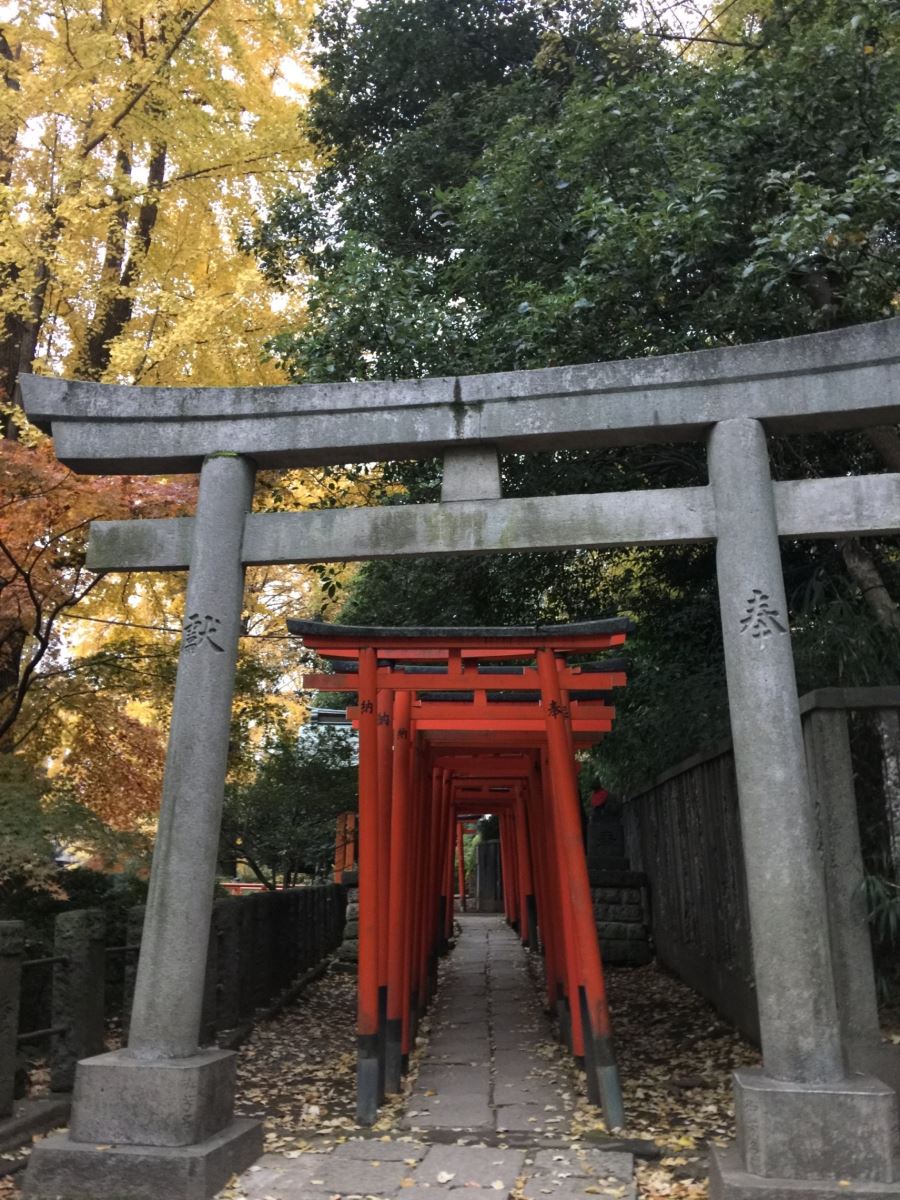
pixel 157 1118
pixel 802 1117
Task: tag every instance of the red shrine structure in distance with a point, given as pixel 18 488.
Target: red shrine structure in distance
pixel 455 724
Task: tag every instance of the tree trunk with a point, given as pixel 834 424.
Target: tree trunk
pixel 90 361
pixel 887 725
pixel 115 305
pixel 269 884
pixel 886 441
pixel 864 572
pixel 12 645
pixel 10 340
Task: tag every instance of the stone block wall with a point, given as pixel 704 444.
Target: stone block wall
pixel 621 906
pixel 348 954
pixel 259 945
pixel 622 915
pixel 262 944
pixel 684 833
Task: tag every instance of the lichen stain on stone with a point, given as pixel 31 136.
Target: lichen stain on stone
pixel 460 409
pixel 510 533
pixel 461 530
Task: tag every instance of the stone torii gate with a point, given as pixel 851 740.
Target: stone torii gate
pixel 156 1118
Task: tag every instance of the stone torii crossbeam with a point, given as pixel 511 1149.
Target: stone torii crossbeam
pixel 156 1118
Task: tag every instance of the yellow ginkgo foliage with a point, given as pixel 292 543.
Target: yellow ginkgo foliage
pixel 135 144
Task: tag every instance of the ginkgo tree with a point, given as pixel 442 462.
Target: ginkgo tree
pixel 134 144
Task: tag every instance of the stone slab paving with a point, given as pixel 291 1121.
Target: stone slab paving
pixel 505 1056
pixel 489 1110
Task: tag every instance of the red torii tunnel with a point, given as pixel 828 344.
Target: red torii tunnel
pixel 454 724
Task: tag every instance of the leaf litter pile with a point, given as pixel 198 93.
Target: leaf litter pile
pixel 676 1057
pixel 298 1071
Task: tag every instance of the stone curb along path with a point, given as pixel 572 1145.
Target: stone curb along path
pixel 489 1111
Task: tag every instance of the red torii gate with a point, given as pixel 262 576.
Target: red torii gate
pixel 464 825
pixel 453 723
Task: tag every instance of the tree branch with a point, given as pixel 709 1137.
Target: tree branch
pixel 864 572
pixel 693 37
pixel 142 91
pixel 42 631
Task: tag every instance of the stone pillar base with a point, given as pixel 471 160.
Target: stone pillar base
pixel 876 1058
pixel 147 1129
pixel 728 1180
pixel 60 1169
pixel 153 1102
pixel 845 1130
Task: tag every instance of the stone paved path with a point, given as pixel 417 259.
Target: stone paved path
pixel 489 1109
pixel 489 1065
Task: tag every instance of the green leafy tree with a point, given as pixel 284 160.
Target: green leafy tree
pixel 598 195
pixel 281 823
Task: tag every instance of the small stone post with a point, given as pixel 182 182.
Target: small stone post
pixel 295 931
pixel 258 903
pixel 302 930
pixel 163 1091
pixel 134 928
pixel 801 1117
pixel 282 957
pixel 78 992
pixel 272 919
pixel 315 923
pixel 12 945
pixel 246 978
pixel 226 916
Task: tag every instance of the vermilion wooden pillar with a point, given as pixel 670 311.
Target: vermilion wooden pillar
pixel 461 866
pixel 567 954
pixel 385 709
pixel 433 899
pixel 447 870
pixel 512 867
pixel 399 908
pixel 414 866
pixel 434 887
pixel 600 1063
pixel 423 978
pixel 546 908
pixel 528 930
pixel 368 1033
pixel 506 890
